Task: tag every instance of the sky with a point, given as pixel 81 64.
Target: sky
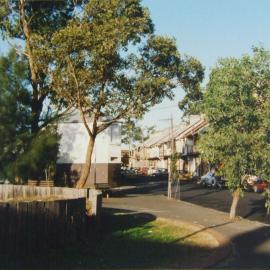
pixel 207 30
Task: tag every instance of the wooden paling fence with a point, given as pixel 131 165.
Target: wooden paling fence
pixel 33 219
pixel 10 192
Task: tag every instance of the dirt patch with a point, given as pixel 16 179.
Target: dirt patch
pixel 189 233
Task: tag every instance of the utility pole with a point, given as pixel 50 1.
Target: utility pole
pixel 172 157
pixel 169 194
pixel 173 166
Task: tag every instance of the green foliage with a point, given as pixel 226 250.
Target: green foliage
pixel 14 109
pixel 236 104
pixel 31 24
pixel 27 108
pixel 192 76
pixel 42 16
pixel 100 57
pixel 108 61
pixel 23 154
pixel 39 159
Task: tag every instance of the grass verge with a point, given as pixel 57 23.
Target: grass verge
pixel 127 240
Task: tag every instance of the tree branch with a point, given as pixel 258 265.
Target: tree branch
pixel 56 117
pixel 26 32
pixel 73 74
pixel 19 52
pixel 107 124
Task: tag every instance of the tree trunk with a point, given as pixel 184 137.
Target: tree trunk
pixel 87 165
pixel 236 197
pixel 36 103
pixel 36 109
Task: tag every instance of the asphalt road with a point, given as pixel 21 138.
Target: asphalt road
pixel 251 206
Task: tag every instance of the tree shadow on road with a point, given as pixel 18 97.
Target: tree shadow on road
pixel 252 250
pixel 258 208
pixel 205 193
pixel 203 230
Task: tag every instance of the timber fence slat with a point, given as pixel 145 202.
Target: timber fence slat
pixel 9 192
pixel 32 225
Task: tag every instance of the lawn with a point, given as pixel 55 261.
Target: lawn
pixel 127 240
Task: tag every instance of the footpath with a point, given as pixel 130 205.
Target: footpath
pixel 246 242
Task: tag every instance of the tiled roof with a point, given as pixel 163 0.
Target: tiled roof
pixel 192 129
pixel 180 131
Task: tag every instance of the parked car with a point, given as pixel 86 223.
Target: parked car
pixel 128 171
pixel 152 170
pixel 211 180
pixel 260 185
pixel 254 183
pixel 143 171
pixel 160 173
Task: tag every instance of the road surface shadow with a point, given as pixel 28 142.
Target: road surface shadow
pixel 252 250
pixel 258 207
pixel 205 193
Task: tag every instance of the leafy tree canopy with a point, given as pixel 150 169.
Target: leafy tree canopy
pixel 236 105
pixel 193 74
pixel 14 109
pixel 33 23
pixel 23 154
pixel 108 62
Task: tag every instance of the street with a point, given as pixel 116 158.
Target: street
pixel 251 206
pixel 249 240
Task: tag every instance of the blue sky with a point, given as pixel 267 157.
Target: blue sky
pixel 208 30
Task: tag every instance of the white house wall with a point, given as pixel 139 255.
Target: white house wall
pixel 74 141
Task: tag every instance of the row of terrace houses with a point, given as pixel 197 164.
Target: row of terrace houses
pixel 157 150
